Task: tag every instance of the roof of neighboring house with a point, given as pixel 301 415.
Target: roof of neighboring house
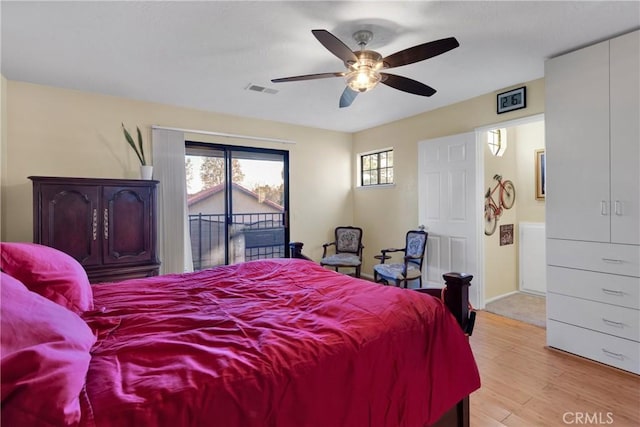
pixel 211 191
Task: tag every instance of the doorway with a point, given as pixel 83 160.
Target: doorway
pixel 237 202
pixel 511 259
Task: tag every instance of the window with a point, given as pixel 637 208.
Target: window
pixel 497 141
pixel 237 199
pixel 376 168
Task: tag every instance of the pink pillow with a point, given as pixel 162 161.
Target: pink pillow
pixel 49 272
pixel 44 350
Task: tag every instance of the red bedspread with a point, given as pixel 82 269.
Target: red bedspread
pixel 272 343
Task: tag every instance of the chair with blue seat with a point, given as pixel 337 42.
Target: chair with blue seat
pixel 348 249
pixel 401 273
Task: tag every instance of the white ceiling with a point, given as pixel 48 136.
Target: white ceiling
pixel 204 54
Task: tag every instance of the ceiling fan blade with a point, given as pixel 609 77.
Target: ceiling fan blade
pixel 420 52
pixel 406 84
pixel 348 95
pixel 309 77
pixel 335 46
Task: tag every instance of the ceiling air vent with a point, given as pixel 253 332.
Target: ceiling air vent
pixel 257 88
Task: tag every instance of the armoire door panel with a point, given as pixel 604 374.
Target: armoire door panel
pixel 126 221
pixel 625 138
pixel 577 145
pixel 64 212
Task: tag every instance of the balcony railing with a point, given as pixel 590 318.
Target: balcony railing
pixel 251 236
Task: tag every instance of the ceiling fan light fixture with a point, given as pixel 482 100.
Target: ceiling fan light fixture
pixel 364 75
pixel 363 79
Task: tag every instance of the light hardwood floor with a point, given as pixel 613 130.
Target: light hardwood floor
pixel 526 384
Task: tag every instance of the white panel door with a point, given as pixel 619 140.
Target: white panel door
pixel 447 206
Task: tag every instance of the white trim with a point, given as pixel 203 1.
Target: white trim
pixel 512 123
pixel 225 135
pixel 478 283
pixel 364 187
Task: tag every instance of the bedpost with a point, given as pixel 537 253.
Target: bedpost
pixel 457 296
pixel 295 250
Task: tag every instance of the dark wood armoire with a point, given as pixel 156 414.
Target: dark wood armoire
pixel 108 225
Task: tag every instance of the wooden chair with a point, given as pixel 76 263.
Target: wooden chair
pixel 348 249
pixel 411 267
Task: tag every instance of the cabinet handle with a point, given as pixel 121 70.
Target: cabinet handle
pixel 613 261
pixel 612 323
pixel 617 207
pixel 612 354
pixel 603 208
pixel 612 292
pixel 106 224
pixel 95 224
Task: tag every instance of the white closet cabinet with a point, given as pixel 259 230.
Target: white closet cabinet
pixel 592 117
pixel 592 121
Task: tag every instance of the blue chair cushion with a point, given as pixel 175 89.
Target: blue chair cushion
pixel 394 271
pixel 341 259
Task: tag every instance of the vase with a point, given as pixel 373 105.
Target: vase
pixel 146 172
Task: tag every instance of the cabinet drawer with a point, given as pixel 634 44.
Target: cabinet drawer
pixel 602 287
pixel 109 274
pixel 609 319
pixel 593 256
pixel 618 352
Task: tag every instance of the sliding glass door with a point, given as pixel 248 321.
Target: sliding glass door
pixel 237 201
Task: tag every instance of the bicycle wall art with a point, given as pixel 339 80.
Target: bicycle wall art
pixel 492 210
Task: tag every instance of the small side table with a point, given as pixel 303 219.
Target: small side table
pixel 382 258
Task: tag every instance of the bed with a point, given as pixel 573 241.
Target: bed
pixel 280 342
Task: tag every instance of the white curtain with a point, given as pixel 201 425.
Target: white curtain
pixel 174 242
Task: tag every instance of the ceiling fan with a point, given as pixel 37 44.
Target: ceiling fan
pixel 364 66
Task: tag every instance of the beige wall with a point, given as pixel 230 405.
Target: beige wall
pixel 59 132
pixel 528 138
pixel 387 213
pixel 501 262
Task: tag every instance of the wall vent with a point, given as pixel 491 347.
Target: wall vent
pixel 257 88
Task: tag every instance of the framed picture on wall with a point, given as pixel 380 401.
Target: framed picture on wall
pixel 540 174
pixel 506 234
